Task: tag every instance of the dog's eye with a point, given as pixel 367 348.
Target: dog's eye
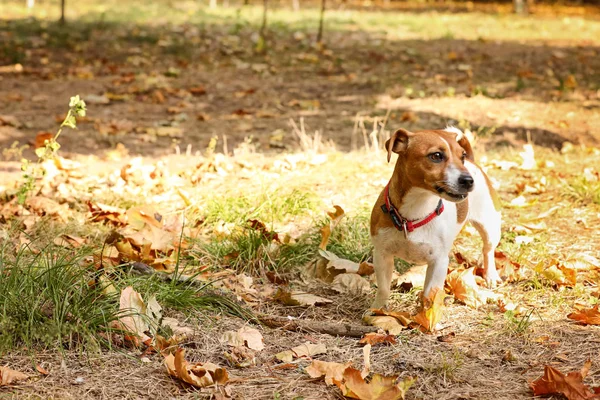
pixel 464 157
pixel 436 157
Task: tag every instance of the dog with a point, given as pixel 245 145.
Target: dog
pixel 435 188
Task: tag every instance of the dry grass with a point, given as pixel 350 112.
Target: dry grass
pixel 492 354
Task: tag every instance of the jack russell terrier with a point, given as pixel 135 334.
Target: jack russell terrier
pixel 425 205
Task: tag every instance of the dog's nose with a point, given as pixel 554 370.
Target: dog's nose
pixel 465 181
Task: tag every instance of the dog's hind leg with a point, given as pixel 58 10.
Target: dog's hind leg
pixel 490 234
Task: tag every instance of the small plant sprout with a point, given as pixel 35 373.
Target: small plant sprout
pixel 77 108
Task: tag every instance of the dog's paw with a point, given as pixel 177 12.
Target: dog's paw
pixel 377 304
pixel 492 279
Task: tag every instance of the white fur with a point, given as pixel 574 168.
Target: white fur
pixel 431 243
pixel 455 130
pixel 452 176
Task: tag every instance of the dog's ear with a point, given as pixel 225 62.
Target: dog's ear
pixel 466 145
pixel 397 143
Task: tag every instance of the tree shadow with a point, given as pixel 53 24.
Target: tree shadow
pixel 149 71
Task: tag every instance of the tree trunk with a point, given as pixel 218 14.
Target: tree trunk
pixel 212 4
pixel 30 3
pixel 320 33
pixel 296 5
pixel 520 7
pixel 62 12
pixel 263 29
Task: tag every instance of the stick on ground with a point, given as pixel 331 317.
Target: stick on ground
pixel 330 328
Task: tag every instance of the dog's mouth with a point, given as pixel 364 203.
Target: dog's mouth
pixel 452 196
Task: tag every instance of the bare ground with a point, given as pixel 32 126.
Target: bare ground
pixel 356 74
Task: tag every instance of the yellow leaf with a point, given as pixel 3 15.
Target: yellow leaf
pixel 431 313
pixel 378 388
pixel 326 231
pixel 464 287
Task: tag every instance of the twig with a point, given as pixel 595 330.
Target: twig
pixel 329 328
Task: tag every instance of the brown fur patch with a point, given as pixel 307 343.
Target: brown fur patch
pixel 462 210
pixel 379 219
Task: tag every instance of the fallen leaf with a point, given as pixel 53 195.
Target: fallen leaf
pixel 389 324
pixel 332 371
pixel 335 218
pixel 365 269
pixel 431 313
pixel 41 369
pixel 464 287
pixel 414 276
pixel 41 138
pixel 366 360
pixel 377 338
pixel 262 228
pixel 9 376
pixel 305 350
pixel 588 316
pixel 245 336
pixel 571 385
pixel 353 284
pixel 180 332
pixel 199 374
pixel 558 273
pixel 379 387
pixel 298 298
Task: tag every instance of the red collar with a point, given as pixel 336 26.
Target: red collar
pixel 401 223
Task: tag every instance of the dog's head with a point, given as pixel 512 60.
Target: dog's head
pixel 434 160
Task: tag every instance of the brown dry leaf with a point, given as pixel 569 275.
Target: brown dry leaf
pixel 10 121
pixel 431 313
pixel 464 287
pixel 335 217
pixel 365 269
pixel 305 350
pixel 247 336
pixel 379 387
pixel 298 298
pixel 265 233
pixel 353 284
pixel 69 241
pixel 180 332
pixel 389 324
pixel 199 374
pixel 414 277
pixel 558 273
pixel 401 316
pixel 8 376
pixel 107 214
pixel 571 385
pixel 376 338
pixel 336 265
pixel 332 371
pixel 409 116
pixel 41 369
pixel 509 270
pixel 138 318
pixel 45 206
pixel 588 316
pixel 41 138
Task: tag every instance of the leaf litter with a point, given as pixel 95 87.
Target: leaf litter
pixel 139 181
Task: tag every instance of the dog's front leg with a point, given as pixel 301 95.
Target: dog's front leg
pixel 436 275
pixel 384 266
